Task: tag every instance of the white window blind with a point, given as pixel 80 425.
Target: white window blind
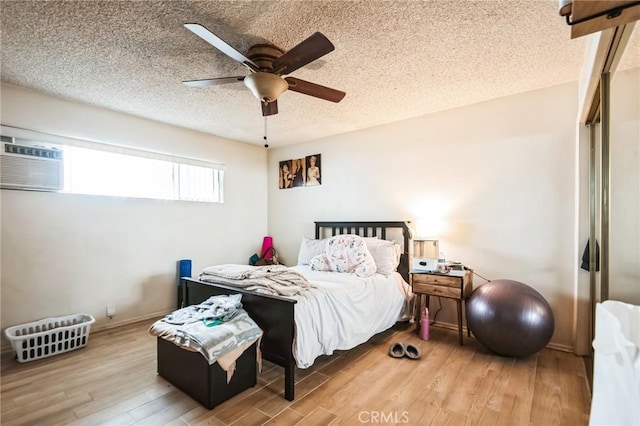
pixel 198 183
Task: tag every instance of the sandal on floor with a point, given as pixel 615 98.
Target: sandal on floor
pixel 397 350
pixel 412 351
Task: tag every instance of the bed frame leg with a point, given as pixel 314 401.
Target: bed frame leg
pixel 289 382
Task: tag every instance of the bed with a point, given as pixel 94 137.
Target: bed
pixel 276 315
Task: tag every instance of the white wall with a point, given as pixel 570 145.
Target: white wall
pixel 65 254
pixel 500 174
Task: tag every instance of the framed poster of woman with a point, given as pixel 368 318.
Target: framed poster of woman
pixel 313 170
pixel 303 171
pixel 298 171
pixel 285 178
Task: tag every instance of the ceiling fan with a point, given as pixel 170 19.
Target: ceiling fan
pixel 268 64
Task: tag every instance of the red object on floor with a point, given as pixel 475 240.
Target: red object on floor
pixel 267 243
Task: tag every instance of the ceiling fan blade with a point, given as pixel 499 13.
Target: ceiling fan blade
pixel 305 52
pixel 312 89
pixel 269 108
pixel 221 45
pixel 213 81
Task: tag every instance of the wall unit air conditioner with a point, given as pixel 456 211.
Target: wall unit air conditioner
pixel 31 167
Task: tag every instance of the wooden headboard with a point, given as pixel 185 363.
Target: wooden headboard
pixel 395 231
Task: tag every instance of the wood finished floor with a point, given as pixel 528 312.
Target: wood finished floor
pixel 113 381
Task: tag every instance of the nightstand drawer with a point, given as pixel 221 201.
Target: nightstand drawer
pixel 437 290
pixel 437 280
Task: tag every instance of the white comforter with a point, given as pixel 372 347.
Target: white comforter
pixel 344 310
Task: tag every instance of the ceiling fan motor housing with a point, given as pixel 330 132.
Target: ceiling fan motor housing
pixel 263 56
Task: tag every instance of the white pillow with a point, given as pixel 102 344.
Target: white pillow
pixel 309 248
pixel 386 254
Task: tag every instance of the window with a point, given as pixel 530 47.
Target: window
pixel 101 169
pixel 90 171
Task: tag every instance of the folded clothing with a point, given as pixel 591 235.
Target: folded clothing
pixel 223 308
pixel 187 328
pixel 213 342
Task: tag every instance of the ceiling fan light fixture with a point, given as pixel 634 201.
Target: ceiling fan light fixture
pixel 266 86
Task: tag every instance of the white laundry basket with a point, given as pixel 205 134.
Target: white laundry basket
pixel 49 336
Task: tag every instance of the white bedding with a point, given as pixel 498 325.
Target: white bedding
pixel 344 310
pixel 616 365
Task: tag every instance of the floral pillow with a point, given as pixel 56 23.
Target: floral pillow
pixel 345 253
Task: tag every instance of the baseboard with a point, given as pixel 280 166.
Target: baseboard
pixel 448 326
pixel 554 346
pixel 7 348
pixel 159 314
pixel 559 347
pixel 114 324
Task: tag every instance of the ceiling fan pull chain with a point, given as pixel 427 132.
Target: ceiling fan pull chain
pixel 266 145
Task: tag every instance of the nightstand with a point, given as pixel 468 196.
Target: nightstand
pixel 441 285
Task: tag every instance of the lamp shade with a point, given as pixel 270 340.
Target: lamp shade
pixel 428 229
pixel 266 86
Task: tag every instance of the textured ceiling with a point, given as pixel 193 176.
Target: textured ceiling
pixel 395 59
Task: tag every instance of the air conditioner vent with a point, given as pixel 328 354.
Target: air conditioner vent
pixel 30 167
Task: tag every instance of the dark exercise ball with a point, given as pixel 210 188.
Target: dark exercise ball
pixel 509 318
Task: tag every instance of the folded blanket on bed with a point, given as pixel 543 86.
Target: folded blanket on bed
pixel 269 279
